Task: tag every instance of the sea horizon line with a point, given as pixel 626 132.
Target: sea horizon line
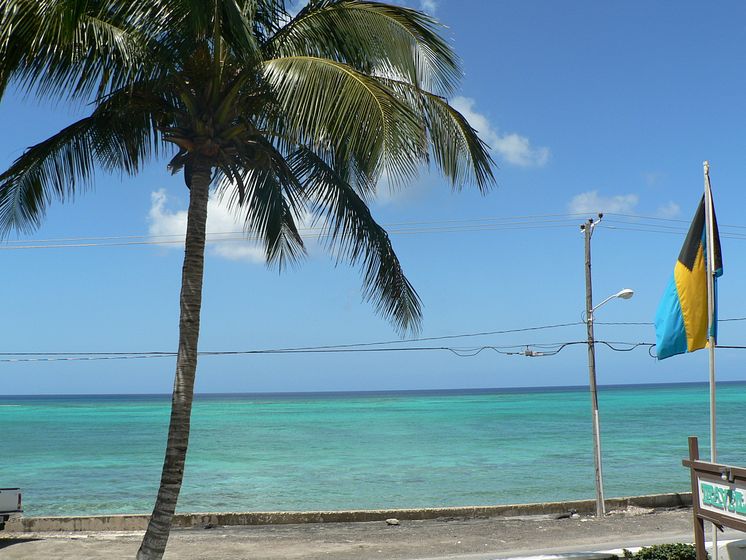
pixel 382 392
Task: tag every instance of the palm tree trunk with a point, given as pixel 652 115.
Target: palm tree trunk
pixel 159 527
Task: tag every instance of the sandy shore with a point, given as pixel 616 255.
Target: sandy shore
pixel 472 539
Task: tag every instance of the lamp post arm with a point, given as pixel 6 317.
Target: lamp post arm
pixel 607 300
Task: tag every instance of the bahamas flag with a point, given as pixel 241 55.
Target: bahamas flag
pixel 681 319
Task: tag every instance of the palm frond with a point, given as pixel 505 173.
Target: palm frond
pixel 459 152
pixel 329 104
pixel 116 136
pixel 456 147
pixel 375 38
pixel 236 30
pixel 357 237
pixel 69 48
pixel 256 181
pixel 53 168
pixel 268 17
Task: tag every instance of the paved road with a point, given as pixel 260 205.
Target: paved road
pixel 465 539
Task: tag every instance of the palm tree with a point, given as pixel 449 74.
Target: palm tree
pixel 278 115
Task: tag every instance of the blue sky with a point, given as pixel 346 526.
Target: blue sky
pixel 588 107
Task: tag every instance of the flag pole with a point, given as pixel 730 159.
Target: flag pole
pixel 710 262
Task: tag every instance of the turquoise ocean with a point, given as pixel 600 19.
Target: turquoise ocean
pixel 81 455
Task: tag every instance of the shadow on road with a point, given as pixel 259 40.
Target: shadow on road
pixel 5 543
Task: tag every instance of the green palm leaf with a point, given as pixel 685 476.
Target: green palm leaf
pixel 459 152
pixel 327 103
pixel 116 137
pixel 351 32
pixel 269 196
pixel 67 47
pixel 457 149
pixel 355 236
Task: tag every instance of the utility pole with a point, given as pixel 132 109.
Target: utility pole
pixel 588 231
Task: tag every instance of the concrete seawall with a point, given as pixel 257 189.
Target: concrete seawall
pixel 138 522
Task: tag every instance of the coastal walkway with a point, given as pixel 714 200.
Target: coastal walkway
pixel 486 538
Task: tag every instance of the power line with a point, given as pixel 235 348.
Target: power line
pixel 672 220
pixel 507 219
pixel 493 220
pixel 528 350
pixel 548 348
pixel 254 238
pixel 463 352
pixel 645 323
pixel 624 222
pixel 396 228
pixel 650 323
pixel 452 336
pixel 324 347
pixel 724 235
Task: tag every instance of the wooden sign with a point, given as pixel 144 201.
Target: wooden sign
pixel 727 499
pixel 718 495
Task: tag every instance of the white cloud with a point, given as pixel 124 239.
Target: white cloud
pixel 164 224
pixel 669 210
pixel 590 203
pixel 517 150
pixel 167 224
pixel 243 250
pixel 161 222
pixel 512 147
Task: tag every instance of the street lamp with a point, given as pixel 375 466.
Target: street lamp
pixel 626 293
pixel 587 228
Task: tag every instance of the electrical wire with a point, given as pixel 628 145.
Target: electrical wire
pixel 548 350
pixel 724 235
pixel 508 219
pixel 254 238
pixel 324 347
pixel 462 352
pixel 638 217
pixel 630 222
pixel 466 335
pixel 646 323
pixel 624 222
pixel 397 228
pixel 543 349
pixel 650 323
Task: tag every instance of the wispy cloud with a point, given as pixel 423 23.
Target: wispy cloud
pixel 590 203
pixel 669 210
pixel 652 178
pixel 516 149
pixel 511 147
pixel 388 193
pixel 172 224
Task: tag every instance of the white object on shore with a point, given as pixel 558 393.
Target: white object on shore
pixel 10 504
pixel 392 521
